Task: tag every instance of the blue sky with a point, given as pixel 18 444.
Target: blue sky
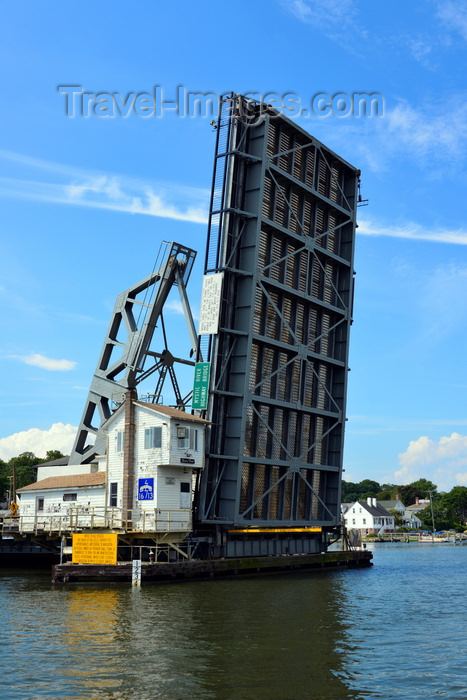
pixel 85 202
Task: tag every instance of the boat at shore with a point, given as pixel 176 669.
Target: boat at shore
pixel 435 537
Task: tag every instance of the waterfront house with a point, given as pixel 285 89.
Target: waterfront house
pixel 369 517
pixel 409 517
pixel 144 482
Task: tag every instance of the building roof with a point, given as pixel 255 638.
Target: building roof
pixel 62 482
pixel 171 412
pixel 389 505
pixel 377 510
pixel 60 462
pixel 416 507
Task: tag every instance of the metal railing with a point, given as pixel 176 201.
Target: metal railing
pixel 80 518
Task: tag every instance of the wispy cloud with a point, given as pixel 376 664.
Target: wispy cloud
pixel 431 136
pixel 439 130
pixel 413 231
pixel 58 437
pixel 76 187
pixel 378 425
pixel 327 15
pixel 323 13
pixel 46 362
pixel 453 15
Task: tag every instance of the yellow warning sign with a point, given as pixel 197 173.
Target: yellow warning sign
pixel 95 548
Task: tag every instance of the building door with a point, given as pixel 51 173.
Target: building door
pixel 185 494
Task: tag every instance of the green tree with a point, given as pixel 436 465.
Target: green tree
pixel 368 487
pixel 359 492
pixel 417 489
pixel 397 517
pixel 51 455
pixel 456 499
pixel 4 481
pixel 424 487
pixel 443 516
pixel 24 464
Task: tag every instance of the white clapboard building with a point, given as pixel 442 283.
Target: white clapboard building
pixel 144 482
pixel 369 517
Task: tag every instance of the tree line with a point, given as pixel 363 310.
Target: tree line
pixel 23 467
pixel 449 508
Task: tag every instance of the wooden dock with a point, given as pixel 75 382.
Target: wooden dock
pixel 211 568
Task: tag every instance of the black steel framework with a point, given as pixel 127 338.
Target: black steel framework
pixel 127 357
pixel 281 229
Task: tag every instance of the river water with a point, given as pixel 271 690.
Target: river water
pixel 396 630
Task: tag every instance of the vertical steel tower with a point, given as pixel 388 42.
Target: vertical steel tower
pixel 281 238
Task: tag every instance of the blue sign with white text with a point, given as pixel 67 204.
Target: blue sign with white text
pixel 145 489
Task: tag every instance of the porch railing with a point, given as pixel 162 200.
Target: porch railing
pixel 78 518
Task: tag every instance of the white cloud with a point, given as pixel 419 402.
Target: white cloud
pixel 322 13
pixel 432 130
pixel 46 362
pixel 58 437
pixel 413 231
pixel 438 460
pixel 77 187
pixel 421 49
pixel 453 15
pixel 174 305
pixel 326 15
pixel 432 135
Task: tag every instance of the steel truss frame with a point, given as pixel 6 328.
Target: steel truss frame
pixel 281 229
pixel 126 358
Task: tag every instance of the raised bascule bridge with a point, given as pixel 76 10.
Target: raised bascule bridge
pixel 270 360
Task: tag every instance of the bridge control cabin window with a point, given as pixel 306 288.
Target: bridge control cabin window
pixel 152 438
pixel 188 438
pixel 113 492
pixel 120 441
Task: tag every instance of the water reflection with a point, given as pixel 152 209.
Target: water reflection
pixel 269 638
pixel 396 630
pixel 262 638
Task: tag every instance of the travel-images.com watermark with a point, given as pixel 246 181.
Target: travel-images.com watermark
pixel 186 103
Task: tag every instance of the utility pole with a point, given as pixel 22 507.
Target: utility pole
pixel 432 516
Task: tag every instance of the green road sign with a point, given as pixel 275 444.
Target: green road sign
pixel 201 385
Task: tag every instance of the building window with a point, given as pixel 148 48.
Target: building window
pixel 364 521
pixel 40 504
pixel 70 496
pixel 120 441
pixel 152 438
pixel 353 521
pixel 188 438
pixel 113 495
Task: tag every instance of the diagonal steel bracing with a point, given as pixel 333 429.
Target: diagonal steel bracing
pixel 127 358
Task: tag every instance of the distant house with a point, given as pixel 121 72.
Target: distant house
pixel 369 517
pixel 345 507
pixel 409 518
pixel 412 510
pixel 144 482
